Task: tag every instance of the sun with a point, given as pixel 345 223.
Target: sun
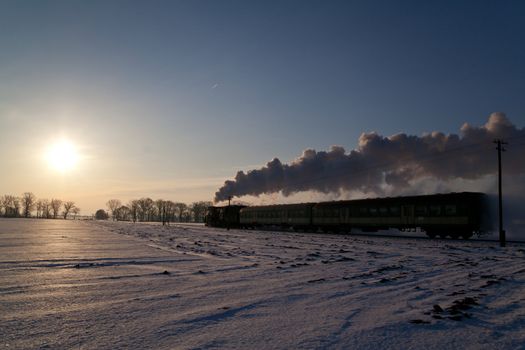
pixel 62 156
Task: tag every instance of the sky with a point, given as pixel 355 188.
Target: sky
pixel 168 99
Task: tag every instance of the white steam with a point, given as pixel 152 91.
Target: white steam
pixel 398 164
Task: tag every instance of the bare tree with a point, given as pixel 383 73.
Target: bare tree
pixel 146 208
pixel 169 208
pixel 198 210
pixel 123 213
pixel 11 205
pixel 46 209
pixel 181 209
pixel 113 205
pixel 134 209
pixel 160 210
pixel 4 203
pixel 28 203
pixel 165 210
pixel 38 208
pixel 75 211
pixel 16 206
pixel 68 207
pixel 55 207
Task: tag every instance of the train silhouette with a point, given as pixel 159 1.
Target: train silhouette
pixel 455 215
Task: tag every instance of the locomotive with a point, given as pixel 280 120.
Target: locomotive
pixel 461 214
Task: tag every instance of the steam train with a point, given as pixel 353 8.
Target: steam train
pixel 456 215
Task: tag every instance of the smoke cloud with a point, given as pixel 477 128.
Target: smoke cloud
pixel 390 165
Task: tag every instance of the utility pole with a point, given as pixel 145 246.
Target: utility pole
pixel 229 213
pixel 500 149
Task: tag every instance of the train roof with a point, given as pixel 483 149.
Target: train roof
pixel 277 206
pixel 226 206
pixel 437 196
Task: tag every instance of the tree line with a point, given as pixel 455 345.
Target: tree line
pixel 28 205
pixel 160 210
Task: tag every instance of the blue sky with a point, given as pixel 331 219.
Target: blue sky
pixel 170 98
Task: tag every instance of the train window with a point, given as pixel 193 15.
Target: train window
pixel 450 209
pixel 394 210
pixel 373 211
pixel 383 211
pixel 363 211
pixel 421 210
pixel 435 210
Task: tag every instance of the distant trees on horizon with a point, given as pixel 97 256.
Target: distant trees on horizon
pixel 142 210
pixel 160 210
pixel 23 206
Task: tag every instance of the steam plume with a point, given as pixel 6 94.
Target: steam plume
pixel 381 162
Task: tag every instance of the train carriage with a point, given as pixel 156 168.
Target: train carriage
pixel 453 214
pixel 283 215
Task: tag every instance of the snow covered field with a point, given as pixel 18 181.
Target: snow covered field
pixel 105 285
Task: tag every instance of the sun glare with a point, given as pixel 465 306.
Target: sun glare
pixel 62 156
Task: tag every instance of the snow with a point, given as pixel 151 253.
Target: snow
pixel 109 285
